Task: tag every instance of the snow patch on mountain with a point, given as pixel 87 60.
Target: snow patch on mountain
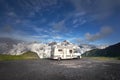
pixel 88 47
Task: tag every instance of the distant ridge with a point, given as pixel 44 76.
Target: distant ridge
pixel 111 51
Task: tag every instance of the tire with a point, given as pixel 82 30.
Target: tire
pixel 59 58
pixel 78 57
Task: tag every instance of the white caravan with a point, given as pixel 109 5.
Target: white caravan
pixel 65 52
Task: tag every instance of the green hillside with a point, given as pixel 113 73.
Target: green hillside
pixel 26 56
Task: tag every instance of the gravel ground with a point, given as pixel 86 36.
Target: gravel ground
pixel 84 69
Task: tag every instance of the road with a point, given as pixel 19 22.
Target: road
pixel 84 69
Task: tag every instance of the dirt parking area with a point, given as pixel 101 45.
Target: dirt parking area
pixel 84 69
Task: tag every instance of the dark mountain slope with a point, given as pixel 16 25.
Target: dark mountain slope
pixel 111 51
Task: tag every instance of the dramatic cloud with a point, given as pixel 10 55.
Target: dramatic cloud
pixel 105 31
pixel 95 5
pixel 98 9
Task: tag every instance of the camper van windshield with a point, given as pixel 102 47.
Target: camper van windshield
pixel 59 49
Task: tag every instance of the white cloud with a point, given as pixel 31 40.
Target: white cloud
pixel 12 14
pixel 102 46
pixel 57 37
pixel 78 40
pixel 80 14
pixel 41 36
pixel 75 21
pixel 38 30
pixel 83 22
pixel 60 26
pixel 79 22
pixel 104 32
pixel 18 21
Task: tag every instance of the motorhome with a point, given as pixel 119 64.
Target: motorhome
pixel 65 52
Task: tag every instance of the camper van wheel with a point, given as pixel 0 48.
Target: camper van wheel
pixel 78 57
pixel 59 58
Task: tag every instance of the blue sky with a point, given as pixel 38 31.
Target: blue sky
pixel 78 21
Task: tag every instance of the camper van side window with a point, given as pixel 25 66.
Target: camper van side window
pixel 75 51
pixel 70 51
pixel 59 50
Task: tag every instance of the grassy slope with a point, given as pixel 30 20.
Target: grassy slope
pixel 25 56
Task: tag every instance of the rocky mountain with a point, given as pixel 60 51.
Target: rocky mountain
pixel 111 51
pixel 14 47
pixel 87 47
pixel 6 44
pixel 17 47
